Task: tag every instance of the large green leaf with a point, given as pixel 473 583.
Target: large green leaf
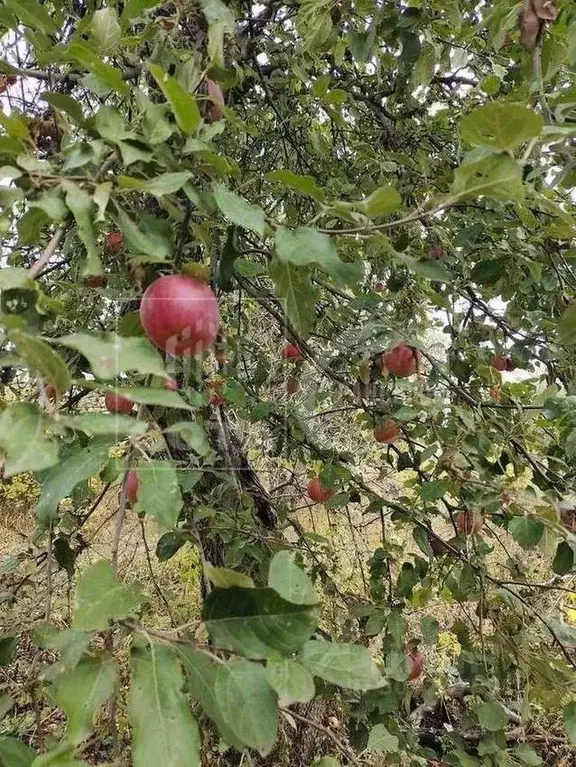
pixel 220 20
pixel 81 692
pixel 110 354
pixel 159 492
pixel 291 680
pixel 106 30
pixel 491 716
pixel 380 739
pixel 101 598
pixel 183 104
pixel 164 731
pixel 23 440
pixel 567 326
pixel 501 125
pixel 299 183
pixel 13 753
pixel 304 246
pixel 238 210
pixel 106 423
pixel 569 717
pixel 247 703
pixel 33 14
pixel 382 201
pixel 290 581
pixel 135 9
pixel 347 665
pixel 59 481
pixel 107 75
pixel 496 175
pixel 526 531
pixel 298 295
pixel 257 623
pixel 83 210
pixel 150 236
pixel 41 358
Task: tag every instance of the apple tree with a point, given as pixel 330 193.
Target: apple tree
pixel 348 231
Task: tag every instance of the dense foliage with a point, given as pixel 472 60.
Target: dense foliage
pixel 386 187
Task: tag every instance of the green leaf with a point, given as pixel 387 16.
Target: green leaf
pixel 65 103
pixel 101 598
pixel 346 665
pixel 106 30
pixel 164 732
pixel 382 201
pixel 238 210
pixel 201 669
pixel 426 267
pixel 167 183
pixel 221 21
pixel 382 740
pixel 563 559
pixel 257 622
pixel 290 581
pixel 291 680
pixel 150 237
pixel 52 204
pixel 298 295
pixel 305 246
pixel 81 692
pixel 145 396
pixel 247 703
pixel 41 358
pixel 159 492
pixel 23 440
pixel 501 125
pixel 34 15
pixel 60 480
pixel 569 717
pixel 397 665
pixel 104 423
pixel 527 755
pixel 135 9
pixel 169 544
pixel 225 578
pixel 194 435
pixel 491 716
pixel 61 755
pixel 303 184
pixel 526 531
pixel 107 75
pixel 496 175
pixel 432 491
pixel 109 354
pixel 567 327
pixel 71 646
pixel 82 207
pixel 7 649
pixel 423 69
pixel 182 103
pixel 489 272
pixel 15 754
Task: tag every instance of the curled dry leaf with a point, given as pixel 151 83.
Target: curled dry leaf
pixel 532 16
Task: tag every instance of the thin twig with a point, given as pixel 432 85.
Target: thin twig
pixel 48 251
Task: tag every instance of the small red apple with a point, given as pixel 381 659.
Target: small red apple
pixel 379 286
pixel 468 522
pixel 438 547
pixel 292 352
pixel 180 315
pixel 568 514
pixel 220 356
pixel 117 403
pixel 436 252
pixel 216 103
pixel 114 242
pixel 317 492
pixel 51 392
pixel 171 384
pixel 217 400
pixel 96 281
pixel 131 485
pixel 292 385
pixel 499 363
pixel 510 364
pixel 401 361
pixel 415 663
pixel 387 432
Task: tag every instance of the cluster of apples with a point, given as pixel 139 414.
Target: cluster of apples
pixel 292 353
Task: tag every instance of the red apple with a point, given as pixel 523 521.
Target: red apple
pixel 96 281
pixel 217 400
pixel 438 547
pixel 292 352
pixel 401 361
pixel 436 252
pixel 114 242
pixel 216 102
pixel 379 286
pixel 171 384
pixel 415 663
pixel 180 315
pixel 468 522
pixel 117 403
pixel 317 492
pixel 567 510
pixel 292 385
pixel 387 432
pixel 51 392
pixel 131 485
pixel 220 356
pixel 499 363
pixel 510 364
